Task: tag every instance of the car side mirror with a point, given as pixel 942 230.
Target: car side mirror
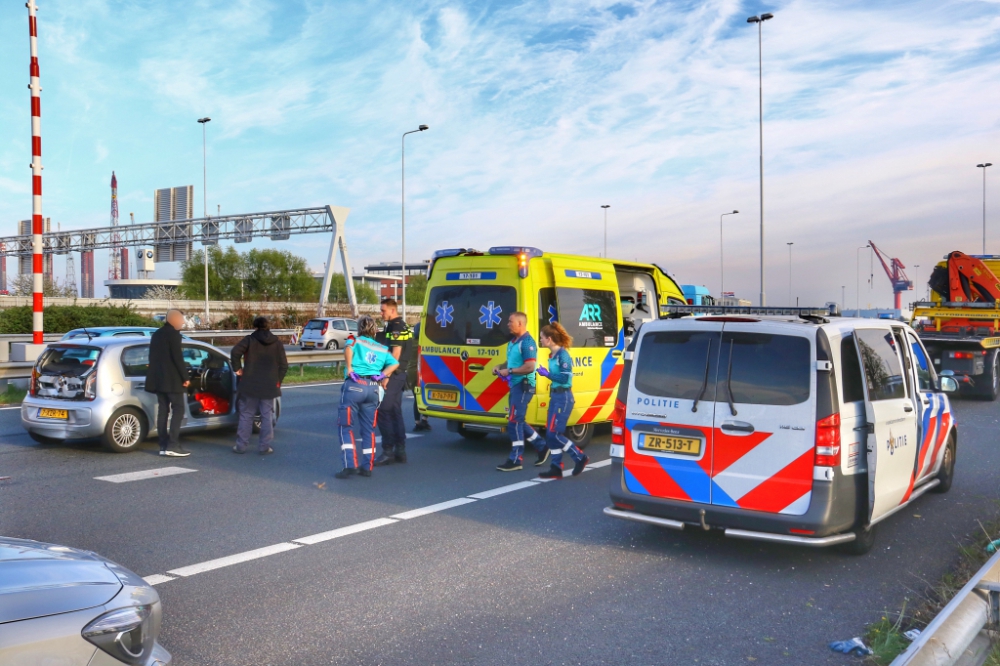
pixel 948 384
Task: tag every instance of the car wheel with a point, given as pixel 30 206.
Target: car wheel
pixel 863 543
pixel 993 392
pixel 332 344
pixel 472 434
pixel 125 430
pixel 42 439
pixel 580 434
pixel 947 472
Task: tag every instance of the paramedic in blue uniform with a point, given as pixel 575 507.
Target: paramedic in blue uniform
pixel 560 373
pixel 398 338
pixel 368 368
pixel 519 371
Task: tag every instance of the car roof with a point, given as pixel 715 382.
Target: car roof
pixel 109 329
pixel 838 323
pixel 110 341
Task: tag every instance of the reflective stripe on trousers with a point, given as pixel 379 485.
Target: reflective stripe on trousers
pixel 521 394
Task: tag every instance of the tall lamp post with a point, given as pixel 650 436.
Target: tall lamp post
pixel 759 20
pixel 606 207
pixel 983 167
pixel 789 273
pixel 843 297
pixel 402 141
pixel 916 281
pixel 204 190
pixel 857 275
pixel 722 259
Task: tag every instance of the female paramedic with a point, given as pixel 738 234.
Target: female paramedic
pixel 560 373
pixel 368 366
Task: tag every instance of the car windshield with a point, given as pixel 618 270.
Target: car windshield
pixel 314 325
pixel 68 361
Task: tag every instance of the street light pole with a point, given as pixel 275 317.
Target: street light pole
pixel 402 141
pixel 759 20
pixel 722 259
pixel 789 273
pixel 983 167
pixel 204 190
pixel 843 297
pixel 857 275
pixel 916 281
pixel 606 207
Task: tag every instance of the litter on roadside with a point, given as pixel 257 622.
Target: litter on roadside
pixel 992 546
pixel 912 634
pixel 855 646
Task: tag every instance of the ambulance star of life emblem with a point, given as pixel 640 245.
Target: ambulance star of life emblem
pixel 491 314
pixel 444 314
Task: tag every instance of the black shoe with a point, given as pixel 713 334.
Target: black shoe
pixel 237 449
pixel 552 473
pixel 509 466
pixel 345 473
pixel 578 467
pixel 543 455
pixel 401 456
pixel 384 459
pixel 422 424
pixel 364 472
pixel 266 452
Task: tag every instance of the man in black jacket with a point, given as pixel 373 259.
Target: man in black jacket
pixel 167 377
pixel 398 337
pixel 259 359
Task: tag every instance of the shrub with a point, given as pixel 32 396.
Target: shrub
pixel 63 318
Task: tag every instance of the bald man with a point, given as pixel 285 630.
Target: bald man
pixel 167 377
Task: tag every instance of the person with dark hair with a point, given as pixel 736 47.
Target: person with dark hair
pixel 413 379
pixel 519 371
pixel 560 373
pixel 167 377
pixel 368 367
pixel 398 337
pixel 260 362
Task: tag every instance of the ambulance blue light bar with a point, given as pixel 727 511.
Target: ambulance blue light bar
pixel 523 254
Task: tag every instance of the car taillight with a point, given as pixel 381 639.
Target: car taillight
pixel 828 441
pixel 90 387
pixel 33 385
pixel 326 325
pixel 618 423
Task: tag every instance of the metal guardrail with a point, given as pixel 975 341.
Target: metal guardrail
pixel 949 635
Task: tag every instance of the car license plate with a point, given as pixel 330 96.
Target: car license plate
pixel 442 396
pixel 307 344
pixel 687 446
pixel 53 414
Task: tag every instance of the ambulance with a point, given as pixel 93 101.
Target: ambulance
pixel 464 335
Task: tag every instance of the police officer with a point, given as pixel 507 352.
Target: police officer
pixel 398 338
pixel 369 365
pixel 560 373
pixel 519 370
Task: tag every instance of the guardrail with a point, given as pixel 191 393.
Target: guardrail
pixel 949 635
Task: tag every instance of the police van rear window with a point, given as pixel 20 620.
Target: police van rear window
pixel 674 364
pixel 469 314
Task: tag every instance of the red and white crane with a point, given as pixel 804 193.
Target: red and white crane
pixel 897 276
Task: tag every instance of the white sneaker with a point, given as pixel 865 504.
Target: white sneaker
pixel 175 454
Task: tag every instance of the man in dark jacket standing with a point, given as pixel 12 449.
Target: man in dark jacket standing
pixel 167 377
pixel 259 359
pixel 398 337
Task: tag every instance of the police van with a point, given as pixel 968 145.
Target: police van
pixel 799 429
pixel 464 335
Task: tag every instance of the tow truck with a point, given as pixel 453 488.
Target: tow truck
pixel 960 325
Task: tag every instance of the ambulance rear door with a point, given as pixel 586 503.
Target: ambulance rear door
pixel 585 301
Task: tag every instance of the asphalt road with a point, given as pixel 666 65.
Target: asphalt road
pixel 533 576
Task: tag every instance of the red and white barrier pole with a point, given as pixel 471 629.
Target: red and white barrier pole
pixel 36 181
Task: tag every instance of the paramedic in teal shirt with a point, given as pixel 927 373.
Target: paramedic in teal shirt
pixel 560 373
pixel 368 366
pixel 519 371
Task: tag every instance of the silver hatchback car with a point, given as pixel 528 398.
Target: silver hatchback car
pixel 96 388
pixel 327 333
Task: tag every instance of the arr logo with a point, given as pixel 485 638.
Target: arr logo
pixel 590 312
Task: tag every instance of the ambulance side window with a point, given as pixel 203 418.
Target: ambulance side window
pixel 589 315
pixel 883 372
pixel 850 368
pixel 547 311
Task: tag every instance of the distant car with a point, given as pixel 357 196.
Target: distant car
pixel 59 605
pixel 327 333
pixel 109 331
pixel 82 389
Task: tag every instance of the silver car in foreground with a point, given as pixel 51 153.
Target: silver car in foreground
pixel 82 389
pixel 70 607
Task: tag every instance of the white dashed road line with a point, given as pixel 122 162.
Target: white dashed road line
pixel 145 474
pixel 193 569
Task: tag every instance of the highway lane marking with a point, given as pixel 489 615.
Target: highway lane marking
pixel 14 407
pixel 294 386
pixel 238 558
pixel 229 560
pixel 409 435
pixel 145 474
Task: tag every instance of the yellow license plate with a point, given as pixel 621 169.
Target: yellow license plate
pixel 687 446
pixel 307 344
pixel 53 414
pixel 442 396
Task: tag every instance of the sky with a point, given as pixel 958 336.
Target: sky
pixel 875 114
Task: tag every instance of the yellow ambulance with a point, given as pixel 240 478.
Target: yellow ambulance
pixel 464 336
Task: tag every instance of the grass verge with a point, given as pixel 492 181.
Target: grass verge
pixel 12 396
pixel 885 637
pixel 303 374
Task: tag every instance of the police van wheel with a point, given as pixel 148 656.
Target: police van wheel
pixel 865 539
pixel 580 434
pixel 471 434
pixel 947 472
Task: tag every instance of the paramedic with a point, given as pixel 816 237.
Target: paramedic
pixel 560 373
pixel 519 371
pixel 368 366
pixel 398 338
pixel 260 362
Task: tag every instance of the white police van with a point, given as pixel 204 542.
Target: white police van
pixel 799 428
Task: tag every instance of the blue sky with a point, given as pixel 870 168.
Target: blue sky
pixel 876 114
